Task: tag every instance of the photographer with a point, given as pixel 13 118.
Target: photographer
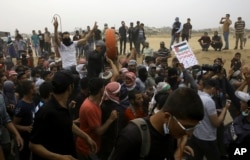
pixel 224 91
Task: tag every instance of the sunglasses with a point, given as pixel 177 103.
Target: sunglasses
pixel 184 128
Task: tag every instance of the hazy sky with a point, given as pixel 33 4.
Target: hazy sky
pixel 26 15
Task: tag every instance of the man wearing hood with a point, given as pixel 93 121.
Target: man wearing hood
pixel 67 46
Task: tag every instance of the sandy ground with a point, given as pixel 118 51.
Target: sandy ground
pixel 202 56
pixel 205 57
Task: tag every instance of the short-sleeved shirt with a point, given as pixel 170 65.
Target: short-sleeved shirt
pixel 205 130
pixel 52 129
pixel 25 111
pixel 90 119
pixel 148 52
pixel 35 39
pixel 186 28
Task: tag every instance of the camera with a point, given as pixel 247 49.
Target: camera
pixel 216 68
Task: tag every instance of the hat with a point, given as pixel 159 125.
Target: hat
pixel 242 96
pixel 162 43
pixel 163 86
pixel 123 70
pixel 12 73
pixel 132 62
pixel 100 43
pixel 130 75
pixel 106 75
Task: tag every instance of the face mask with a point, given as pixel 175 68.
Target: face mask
pixel 245 113
pixel 67 41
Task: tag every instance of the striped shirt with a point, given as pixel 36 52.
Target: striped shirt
pixel 239 26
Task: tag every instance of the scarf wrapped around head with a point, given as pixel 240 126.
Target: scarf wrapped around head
pixel 111 92
pixel 9 92
pixel 132 77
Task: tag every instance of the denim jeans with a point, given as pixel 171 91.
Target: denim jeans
pixel 226 35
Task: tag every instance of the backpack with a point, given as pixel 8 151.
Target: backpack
pixel 145 135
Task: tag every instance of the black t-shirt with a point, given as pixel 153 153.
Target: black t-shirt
pixel 108 138
pixel 52 129
pixel 128 144
pixel 95 64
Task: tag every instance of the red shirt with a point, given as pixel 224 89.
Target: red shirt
pixel 131 114
pixel 90 119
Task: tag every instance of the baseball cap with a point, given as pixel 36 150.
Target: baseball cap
pixel 242 96
pixel 106 75
pixel 163 86
pixel 132 62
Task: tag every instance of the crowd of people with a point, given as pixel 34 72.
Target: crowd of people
pixel 83 106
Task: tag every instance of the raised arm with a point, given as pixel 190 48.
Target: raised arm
pixel 57 40
pixel 84 39
pixel 114 67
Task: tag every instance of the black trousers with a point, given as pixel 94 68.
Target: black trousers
pixel 208 149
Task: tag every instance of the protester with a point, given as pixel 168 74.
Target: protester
pixel 67 47
pixel 53 129
pixel 173 121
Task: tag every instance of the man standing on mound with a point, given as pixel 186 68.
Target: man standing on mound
pixel 225 27
pixel 67 47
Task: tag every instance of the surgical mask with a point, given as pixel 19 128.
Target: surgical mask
pixel 245 113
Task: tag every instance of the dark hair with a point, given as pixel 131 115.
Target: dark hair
pixel 65 33
pixel 159 79
pixel 209 83
pixel 61 81
pixel 237 54
pixel 26 86
pixel 84 83
pixel 44 74
pixel 95 85
pixel 45 89
pixel 131 94
pixel 35 71
pixel 160 99
pixel 19 75
pixel 184 103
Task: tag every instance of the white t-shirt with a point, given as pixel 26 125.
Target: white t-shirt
pixel 205 130
pixel 68 55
